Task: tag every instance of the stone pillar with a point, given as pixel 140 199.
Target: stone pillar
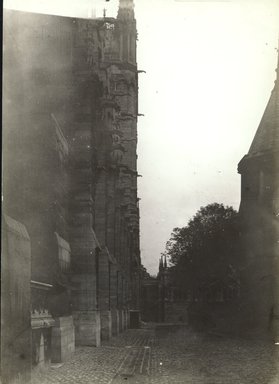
pixel 84 243
pixel 120 312
pixel 86 316
pixel 104 294
pixel 111 212
pixel 126 325
pixel 62 339
pixel 87 328
pixel 106 325
pixel 124 320
pixel 122 324
pixel 128 319
pixel 85 292
pixel 115 321
pixel 114 299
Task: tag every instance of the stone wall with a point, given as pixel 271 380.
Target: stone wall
pixel 70 133
pixel 15 303
pixel 258 270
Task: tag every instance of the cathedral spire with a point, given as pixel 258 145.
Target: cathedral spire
pixel 126 10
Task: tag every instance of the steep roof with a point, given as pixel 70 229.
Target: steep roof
pixel 267 135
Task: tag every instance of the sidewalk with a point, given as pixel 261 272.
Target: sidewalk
pixel 122 356
pixel 167 355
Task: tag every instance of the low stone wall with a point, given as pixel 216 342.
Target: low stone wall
pixel 176 312
pixel 87 328
pixel 62 339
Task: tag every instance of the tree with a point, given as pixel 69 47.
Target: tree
pixel 204 253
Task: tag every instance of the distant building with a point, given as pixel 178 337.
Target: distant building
pixel 259 210
pixel 161 300
pixel 70 180
pixel 154 292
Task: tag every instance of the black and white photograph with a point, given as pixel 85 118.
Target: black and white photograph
pixel 140 192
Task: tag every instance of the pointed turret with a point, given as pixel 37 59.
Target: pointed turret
pixel 266 139
pixel 126 10
pixel 267 135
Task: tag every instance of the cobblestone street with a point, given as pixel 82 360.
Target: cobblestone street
pixel 166 354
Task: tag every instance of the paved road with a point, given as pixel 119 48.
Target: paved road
pixel 168 355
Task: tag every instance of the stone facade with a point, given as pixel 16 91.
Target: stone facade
pixel 259 210
pixel 70 175
pixel 15 303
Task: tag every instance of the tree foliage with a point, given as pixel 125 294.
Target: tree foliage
pixel 206 249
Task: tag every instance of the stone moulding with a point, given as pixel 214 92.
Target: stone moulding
pixel 40 285
pixel 41 319
pixel 16 227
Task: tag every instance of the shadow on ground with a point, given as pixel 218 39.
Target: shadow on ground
pixel 213 358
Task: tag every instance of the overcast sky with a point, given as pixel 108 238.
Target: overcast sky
pixel 210 70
